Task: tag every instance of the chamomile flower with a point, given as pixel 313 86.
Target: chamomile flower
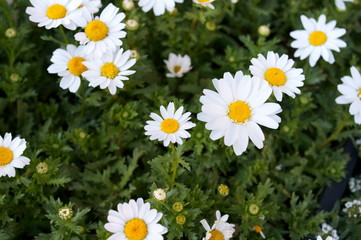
pixel 318 39
pixel 178 65
pixel 237 109
pixel 102 33
pixel 205 3
pixel 351 93
pixel 158 6
pixel 110 70
pixel 68 64
pixel 11 155
pixel 278 73
pixel 135 220
pixel 91 6
pixel 220 229
pixel 52 13
pixel 340 4
pixel 171 126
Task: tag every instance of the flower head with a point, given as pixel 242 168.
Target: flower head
pixel 355 184
pixel 110 70
pixel 351 93
pixel 135 220
pixel 91 6
pixel 11 155
pixel 65 213
pixel 340 4
pixel 178 65
pixel 160 194
pixel 158 6
pixel 170 127
pixel 237 109
pixel 278 73
pixel 205 3
pixel 318 39
pixel 221 229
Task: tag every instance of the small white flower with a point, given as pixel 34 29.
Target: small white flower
pixel 158 6
pixel 110 70
pixel 340 4
pixel 52 13
pixel 11 155
pixel 102 33
pixel 318 39
pixel 351 93
pixel 160 194
pixel 220 229
pixel 135 220
pixel 205 3
pixel 353 208
pixel 278 73
pixel 178 65
pixel 237 109
pixel 328 230
pixel 355 184
pixel 171 126
pixel 68 64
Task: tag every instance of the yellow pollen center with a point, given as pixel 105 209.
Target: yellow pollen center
pixel 359 93
pixel 203 1
pixel 56 11
pixel 135 229
pixel 96 30
pixel 177 69
pixel 239 111
pixel 109 70
pixel 317 38
pixel 275 77
pixel 169 125
pixel 216 235
pixel 6 156
pixel 76 66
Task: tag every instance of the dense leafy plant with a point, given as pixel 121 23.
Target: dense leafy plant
pixel 89 152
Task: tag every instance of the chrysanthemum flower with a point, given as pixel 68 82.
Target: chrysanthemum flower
pixel 171 126
pixel 11 155
pixel 205 3
pixel 340 4
pixel 110 70
pixel 351 93
pixel 220 229
pixel 236 109
pixel 178 65
pixel 318 39
pixel 102 33
pixel 158 6
pixel 68 64
pixel 135 220
pixel 278 73
pixel 52 13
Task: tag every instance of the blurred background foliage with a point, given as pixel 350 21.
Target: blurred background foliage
pixel 96 154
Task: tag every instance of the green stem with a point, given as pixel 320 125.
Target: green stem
pixel 175 164
pixel 63 34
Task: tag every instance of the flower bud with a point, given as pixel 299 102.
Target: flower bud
pixel 180 219
pixel 65 213
pixel 42 168
pixel 264 31
pixel 160 194
pixel 177 206
pixel 223 189
pixel 10 33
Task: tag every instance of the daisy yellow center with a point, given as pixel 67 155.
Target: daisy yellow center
pixel 203 1
pixel 359 93
pixel 109 70
pixel 6 156
pixel 135 229
pixel 169 125
pixel 56 11
pixel 76 66
pixel 216 235
pixel 96 30
pixel 239 111
pixel 177 69
pixel 317 38
pixel 275 77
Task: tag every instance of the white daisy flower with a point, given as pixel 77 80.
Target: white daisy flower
pixel 52 13
pixel 351 93
pixel 171 126
pixel 91 6
pixel 110 70
pixel 10 155
pixel 102 33
pixel 220 229
pixel 158 6
pixel 135 220
pixel 205 3
pixel 68 64
pixel 340 4
pixel 278 73
pixel 318 39
pixel 178 65
pixel 236 110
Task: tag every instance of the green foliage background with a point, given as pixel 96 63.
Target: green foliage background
pixel 98 155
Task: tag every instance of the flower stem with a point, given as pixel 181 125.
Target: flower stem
pixel 175 164
pixel 63 34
